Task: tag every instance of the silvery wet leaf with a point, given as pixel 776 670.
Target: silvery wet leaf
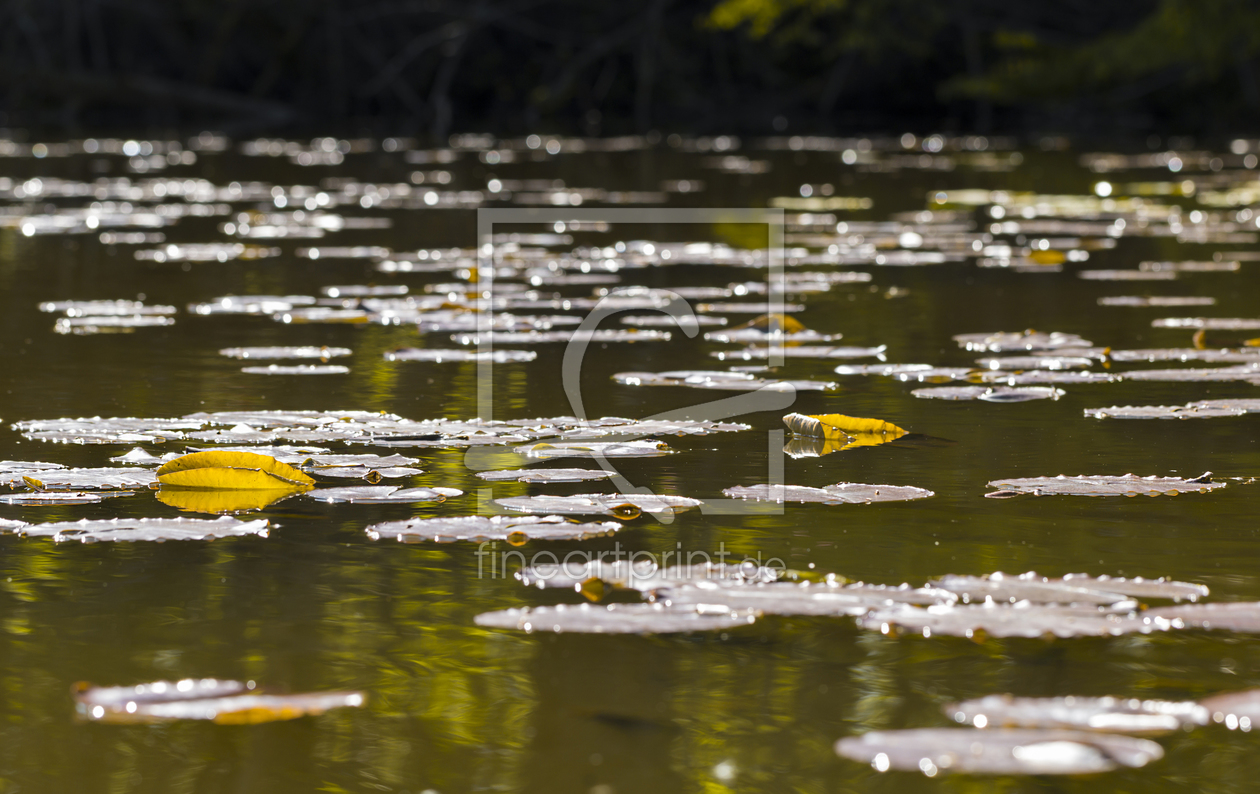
pixel 619 505
pixel 104 324
pixel 59 497
pixel 514 529
pixel 995 394
pixel 439 356
pixel 104 308
pixel 297 369
pixel 1031 377
pixel 1000 587
pixel 151 529
pixel 1004 341
pixel 803 351
pixel 1110 714
pixel 598 336
pixel 719 380
pixel 1036 362
pixel 1234 710
pixel 1155 300
pixel 797 598
pixel 1163 412
pixel 840 493
pixel 381 494
pixel 643 575
pixel 1245 372
pixel 1127 275
pixel 1209 323
pixel 369 473
pixel 104 479
pixel 544 475
pixel 1222 356
pixel 934 751
pixel 1102 485
pixel 226 702
pixel 578 449
pixel 308 351
pixel 615 619
pixel 1021 619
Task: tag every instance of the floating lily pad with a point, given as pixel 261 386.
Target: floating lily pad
pixel 1004 341
pixel 1040 376
pixel 992 394
pixel 1234 710
pixel 381 494
pixel 544 475
pixel 597 336
pixel 747 308
pixel 667 321
pixel 439 356
pixel 84 326
pixel 297 369
pixel 1102 485
pixel 1209 323
pixel 1113 715
pixel 840 493
pixel 1071 589
pixel 1163 412
pixel 151 529
pixel 1127 275
pixel 309 351
pixel 1245 372
pixel 104 308
pixel 1240 616
pixel 59 497
pixel 513 529
pixel 797 598
pixel 619 505
pixel 616 619
pixel 1223 356
pixel 801 351
pixel 1021 619
pixel 643 575
pixel 372 475
pixel 612 449
pixel 10 525
pixel 223 702
pixel 1036 362
pixel 138 457
pixel 934 751
pixel 104 479
pixel 1156 300
pixel 225 470
pixel 721 380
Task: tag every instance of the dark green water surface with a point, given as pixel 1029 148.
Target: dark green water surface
pixel 457 708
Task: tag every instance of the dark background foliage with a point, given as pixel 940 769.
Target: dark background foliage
pixel 431 67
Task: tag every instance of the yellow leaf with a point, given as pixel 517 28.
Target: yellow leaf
pixel 34 484
pixel 775 323
pixel 1252 343
pixel 205 500
pixel 241 471
pixel 835 426
pixel 1050 257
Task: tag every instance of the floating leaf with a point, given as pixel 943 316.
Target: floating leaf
pixel 667 321
pixel 643 575
pixel 60 497
pixel 1209 323
pixel 1114 715
pixel 1102 485
pixel 839 425
pixel 382 494
pixel 597 336
pixel 223 702
pixel 619 505
pixel 513 529
pixel 1045 376
pixel 797 598
pixel 1021 619
pixel 1155 300
pixel 1222 356
pixel 1039 589
pixel 616 619
pixel 230 471
pixel 840 493
pixel 1036 362
pixel 1127 275
pixel 923 373
pixel 612 449
pixel 804 351
pixel 992 394
pixel 718 380
pixel 545 475
pixel 748 308
pixel 152 529
pixel 1242 616
pixel 934 751
pixel 1204 374
pixel 322 353
pixel 439 356
pixel 1004 341
pixel 1234 710
pixel 1190 411
pixel 80 479
pixel 297 369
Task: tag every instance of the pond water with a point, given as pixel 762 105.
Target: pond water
pixel 453 706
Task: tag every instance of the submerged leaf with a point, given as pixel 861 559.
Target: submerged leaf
pixel 1102 485
pixel 223 702
pixel 513 529
pixel 934 751
pixel 616 619
pixel 1114 715
pixel 840 493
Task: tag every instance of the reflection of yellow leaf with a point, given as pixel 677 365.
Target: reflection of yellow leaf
pixel 205 500
pixel 838 425
pixel 1051 257
pixel 231 471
